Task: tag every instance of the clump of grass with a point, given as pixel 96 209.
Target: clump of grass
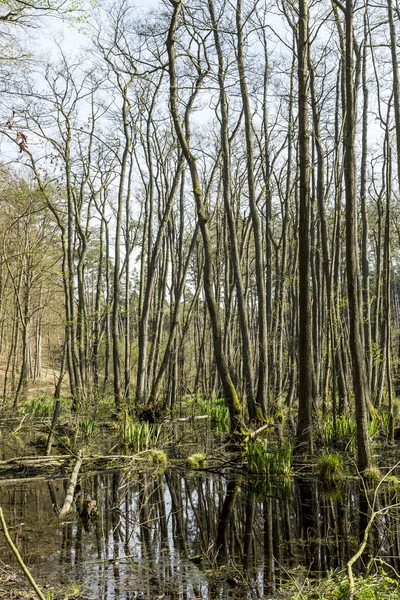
pixel 157 457
pixel 41 407
pixel 266 459
pixel 330 467
pixel 87 426
pixel 138 436
pixel 345 432
pixel 372 474
pixel 196 461
pixel 215 408
pixel 74 590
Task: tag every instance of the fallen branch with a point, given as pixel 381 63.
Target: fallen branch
pixel 255 433
pixel 56 414
pixel 17 555
pixel 34 459
pixel 19 426
pixel 66 507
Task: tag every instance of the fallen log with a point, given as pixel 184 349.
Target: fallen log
pixel 66 507
pixel 34 459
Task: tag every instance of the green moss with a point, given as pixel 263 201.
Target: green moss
pixel 158 457
pixel 373 474
pixel 196 461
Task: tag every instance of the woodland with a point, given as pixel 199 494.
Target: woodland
pixel 200 218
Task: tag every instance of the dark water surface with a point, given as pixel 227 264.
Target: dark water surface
pixel 181 535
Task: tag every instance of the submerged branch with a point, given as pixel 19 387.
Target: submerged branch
pixel 17 555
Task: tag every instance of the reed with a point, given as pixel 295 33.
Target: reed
pixel 266 459
pixel 138 436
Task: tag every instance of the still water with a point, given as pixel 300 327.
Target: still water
pixel 181 535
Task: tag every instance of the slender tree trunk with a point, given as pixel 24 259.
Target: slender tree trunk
pixel 304 437
pixel 361 395
pixel 262 390
pixel 235 259
pixel 230 393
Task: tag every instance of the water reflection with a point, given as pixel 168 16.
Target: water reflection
pixel 181 536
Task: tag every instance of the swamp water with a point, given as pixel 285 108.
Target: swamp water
pixel 189 535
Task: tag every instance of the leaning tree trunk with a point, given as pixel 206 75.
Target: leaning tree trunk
pixel 230 394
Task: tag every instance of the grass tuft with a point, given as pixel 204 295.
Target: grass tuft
pixel 157 457
pixel 330 467
pixel 266 459
pixel 138 436
pixel 196 461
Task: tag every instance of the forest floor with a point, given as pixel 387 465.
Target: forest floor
pixel 44 385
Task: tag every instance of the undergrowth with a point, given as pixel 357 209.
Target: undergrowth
pixel 264 458
pixel 215 408
pixel 138 436
pixel 336 587
pixel 40 407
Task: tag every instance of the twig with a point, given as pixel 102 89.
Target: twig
pixel 17 555
pixel 19 426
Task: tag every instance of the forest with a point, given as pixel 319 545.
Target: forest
pixel 200 285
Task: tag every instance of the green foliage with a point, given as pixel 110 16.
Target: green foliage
pixel 196 461
pixel 330 467
pixel 157 457
pixel 74 590
pixel 345 431
pixel 40 407
pixel 336 587
pixel 266 459
pixel 87 426
pixel 138 436
pixel 215 408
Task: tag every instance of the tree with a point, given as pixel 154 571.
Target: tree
pixel 304 441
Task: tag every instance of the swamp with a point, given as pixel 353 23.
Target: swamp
pixel 199 299
pixel 174 511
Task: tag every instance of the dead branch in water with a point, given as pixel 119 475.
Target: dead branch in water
pixel 17 555
pixel 66 507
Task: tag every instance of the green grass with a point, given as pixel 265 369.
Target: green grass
pixel 336 587
pixel 330 467
pixel 346 430
pixel 266 459
pixel 215 408
pixel 87 426
pixel 138 436
pixel 41 407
